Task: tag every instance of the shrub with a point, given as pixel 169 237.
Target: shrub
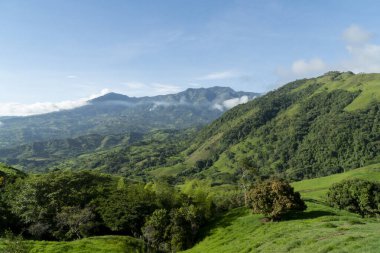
pixel 275 198
pixel 356 195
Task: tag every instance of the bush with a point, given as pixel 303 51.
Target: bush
pixel 275 198
pixel 356 195
pixel 15 244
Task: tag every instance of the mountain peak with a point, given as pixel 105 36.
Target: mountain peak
pixel 112 96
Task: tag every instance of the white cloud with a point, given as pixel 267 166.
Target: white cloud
pixel 235 101
pixel 230 103
pixel 356 35
pixel 303 67
pixel 17 109
pixel 365 58
pixel 219 75
pixel 362 56
pixel 71 76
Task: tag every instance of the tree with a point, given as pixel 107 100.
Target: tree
pixel 125 210
pixel 275 198
pixel 155 230
pixel 38 199
pixel 175 230
pixel 249 175
pixel 75 222
pixel 356 195
pixel 184 225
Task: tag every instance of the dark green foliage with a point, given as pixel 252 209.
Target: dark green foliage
pixel 8 176
pixel 274 198
pixel 173 231
pixel 155 230
pixel 75 222
pixel 356 195
pixel 125 210
pixel 58 204
pixel 68 205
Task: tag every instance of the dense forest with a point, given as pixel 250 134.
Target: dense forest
pixel 67 205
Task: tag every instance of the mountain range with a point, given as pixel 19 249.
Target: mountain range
pixel 115 113
pixel 37 142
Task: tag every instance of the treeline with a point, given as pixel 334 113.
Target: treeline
pixel 67 205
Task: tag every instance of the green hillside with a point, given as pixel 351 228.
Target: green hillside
pixel 39 156
pixel 305 129
pixel 319 229
pixel 9 174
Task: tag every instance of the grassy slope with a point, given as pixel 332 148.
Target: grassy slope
pixel 319 229
pixel 106 244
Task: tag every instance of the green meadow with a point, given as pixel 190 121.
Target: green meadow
pixel 319 229
pixel 99 244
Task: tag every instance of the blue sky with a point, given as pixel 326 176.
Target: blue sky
pixel 68 50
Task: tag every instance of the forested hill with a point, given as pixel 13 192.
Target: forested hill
pixel 115 114
pixel 307 128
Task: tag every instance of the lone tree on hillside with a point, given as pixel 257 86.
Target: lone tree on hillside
pixel 248 176
pixel 274 198
pixel 356 195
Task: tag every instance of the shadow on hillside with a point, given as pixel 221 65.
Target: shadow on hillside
pixel 222 221
pixel 306 215
pixel 315 201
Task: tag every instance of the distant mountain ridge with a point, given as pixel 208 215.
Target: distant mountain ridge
pixel 213 97
pixel 116 113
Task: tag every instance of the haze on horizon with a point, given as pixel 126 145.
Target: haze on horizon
pixel 57 54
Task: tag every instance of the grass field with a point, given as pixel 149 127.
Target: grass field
pixel 318 229
pixel 100 244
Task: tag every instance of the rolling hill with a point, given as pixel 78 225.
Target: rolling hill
pixel 307 128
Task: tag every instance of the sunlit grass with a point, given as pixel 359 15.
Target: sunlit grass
pixel 319 229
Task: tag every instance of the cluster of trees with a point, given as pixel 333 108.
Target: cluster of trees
pixel 356 195
pixel 67 205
